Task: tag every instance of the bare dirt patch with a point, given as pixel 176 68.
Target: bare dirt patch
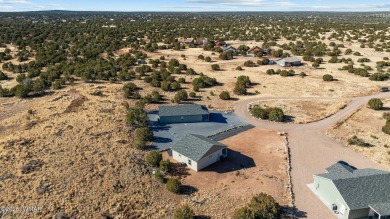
pixel 367 125
pixel 254 165
pixel 305 111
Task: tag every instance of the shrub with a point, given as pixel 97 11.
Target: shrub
pixel 375 104
pixel 181 96
pixel 379 77
pixel 3 76
pixel 315 65
pixel 261 206
pixel 173 185
pixel 249 64
pixel 242 79
pixel 271 72
pixel 302 74
pixel 327 77
pixel 275 114
pixel 20 91
pixel 207 59
pixel 386 128
pixel 139 143
pixel 264 206
pixel 160 177
pixel 224 95
pixel 129 89
pixel 56 85
pixel 386 116
pixel 156 97
pixel 259 112
pixel 243 213
pixel 239 68
pixel 165 166
pixel 192 94
pixel 137 117
pixel 145 133
pixel 201 57
pixel 184 212
pixel 354 140
pixel 153 158
pixel 215 67
pixel 240 89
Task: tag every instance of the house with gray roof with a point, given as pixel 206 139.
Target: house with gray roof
pixel 198 152
pixel 354 193
pixel 186 113
pixel 289 61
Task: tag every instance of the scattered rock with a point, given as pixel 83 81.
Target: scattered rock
pixel 32 166
pixel 44 187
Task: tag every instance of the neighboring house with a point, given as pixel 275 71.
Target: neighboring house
pixel 185 113
pixel 187 41
pixel 289 61
pixel 198 151
pixel 255 50
pixel 220 43
pixel 230 49
pixel 354 193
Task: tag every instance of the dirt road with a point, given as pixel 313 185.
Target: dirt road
pixel 312 151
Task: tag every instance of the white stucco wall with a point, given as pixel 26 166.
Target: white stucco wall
pixel 212 158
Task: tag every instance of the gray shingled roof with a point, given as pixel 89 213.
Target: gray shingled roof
pixel 183 110
pixel 340 167
pixel 361 188
pixel 291 59
pixel 381 208
pixel 197 147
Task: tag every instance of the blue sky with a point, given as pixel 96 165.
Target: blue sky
pixel 196 5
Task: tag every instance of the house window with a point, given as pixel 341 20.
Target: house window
pixel 182 118
pixel 189 162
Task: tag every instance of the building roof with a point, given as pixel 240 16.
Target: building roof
pixel 340 167
pixel 183 110
pixel 381 208
pixel 360 188
pixel 291 59
pixel 197 147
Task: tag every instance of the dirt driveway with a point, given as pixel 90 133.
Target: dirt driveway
pixel 312 151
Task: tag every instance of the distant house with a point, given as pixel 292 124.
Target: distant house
pixel 230 49
pixel 255 50
pixel 185 113
pixel 187 41
pixel 198 152
pixel 354 193
pixel 220 43
pixel 289 61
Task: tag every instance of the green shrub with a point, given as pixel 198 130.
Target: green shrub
pixel 160 177
pixel 224 95
pixel 3 76
pixel 386 128
pixel 192 94
pixel 375 104
pixel 327 77
pixel 354 140
pixel 180 96
pixel 215 67
pixel 173 185
pixel 154 158
pixel 259 112
pixel 145 133
pixel 275 114
pixel 271 72
pixel 249 64
pixel 165 166
pixel 139 143
pixel 184 212
pixel 261 206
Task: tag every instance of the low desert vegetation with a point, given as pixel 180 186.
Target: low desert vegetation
pixel 375 104
pixel 261 206
pixel 270 113
pixel 184 212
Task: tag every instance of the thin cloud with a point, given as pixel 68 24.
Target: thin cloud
pixel 15 2
pixel 243 2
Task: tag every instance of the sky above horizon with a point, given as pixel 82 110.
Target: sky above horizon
pixel 195 5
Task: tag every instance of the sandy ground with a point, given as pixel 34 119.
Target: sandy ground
pixel 80 158
pixel 305 111
pixel 366 124
pixel 226 186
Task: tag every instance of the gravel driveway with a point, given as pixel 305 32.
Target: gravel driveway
pixel 312 151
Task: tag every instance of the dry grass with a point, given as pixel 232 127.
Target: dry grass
pixel 306 111
pixel 76 150
pixel 367 125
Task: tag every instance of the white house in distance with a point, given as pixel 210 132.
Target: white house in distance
pixel 198 151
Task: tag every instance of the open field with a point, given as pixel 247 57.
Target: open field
pixel 253 165
pixel 71 156
pixel 366 124
pixel 303 110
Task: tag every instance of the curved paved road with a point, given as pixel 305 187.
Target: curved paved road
pixel 312 151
